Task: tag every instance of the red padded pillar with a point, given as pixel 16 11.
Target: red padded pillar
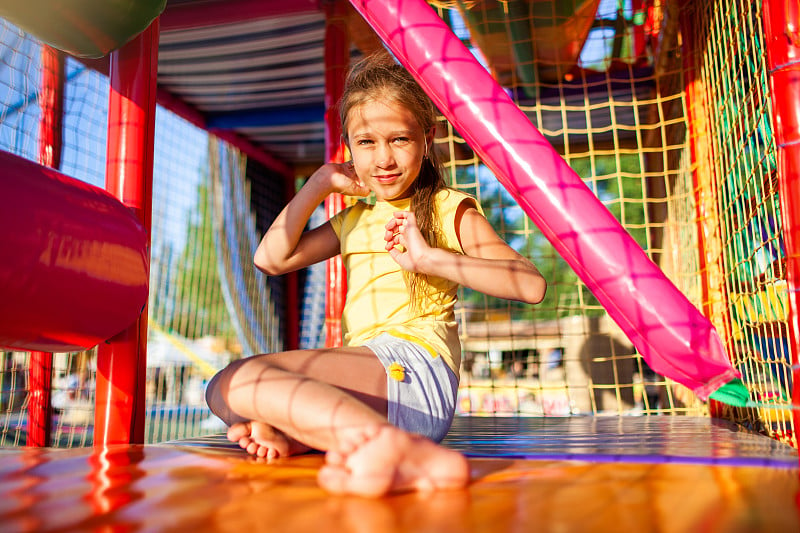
pixel 121 361
pixel 292 329
pixel 337 60
pixel 40 382
pixel 51 106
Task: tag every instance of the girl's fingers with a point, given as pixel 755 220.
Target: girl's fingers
pixel 392 238
pixel 406 216
pixel 400 219
pixel 348 182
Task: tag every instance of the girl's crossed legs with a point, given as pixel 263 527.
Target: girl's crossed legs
pixel 332 400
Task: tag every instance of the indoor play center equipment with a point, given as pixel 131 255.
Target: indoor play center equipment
pixel 80 262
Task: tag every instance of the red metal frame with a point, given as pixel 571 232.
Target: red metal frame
pixel 337 59
pixel 121 361
pixel 214 12
pixel 51 105
pixel 187 112
pixel 251 151
pixel 170 102
pixel 782 31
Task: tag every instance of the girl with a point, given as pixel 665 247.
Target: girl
pixel 380 404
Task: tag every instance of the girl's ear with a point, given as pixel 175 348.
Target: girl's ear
pixel 429 140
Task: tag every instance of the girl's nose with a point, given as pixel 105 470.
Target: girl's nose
pixel 384 156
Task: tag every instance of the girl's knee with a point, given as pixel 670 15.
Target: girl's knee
pixel 217 393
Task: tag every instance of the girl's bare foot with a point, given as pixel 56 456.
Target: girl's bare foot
pixel 263 440
pixel 381 459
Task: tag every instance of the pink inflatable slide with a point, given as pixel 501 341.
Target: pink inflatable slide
pixel 674 338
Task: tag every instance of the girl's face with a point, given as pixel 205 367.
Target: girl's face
pixel 387 146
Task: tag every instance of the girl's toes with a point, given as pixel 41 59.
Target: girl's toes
pixel 238 431
pixel 333 479
pixel 334 458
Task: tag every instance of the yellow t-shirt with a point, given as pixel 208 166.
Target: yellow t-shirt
pixel 377 294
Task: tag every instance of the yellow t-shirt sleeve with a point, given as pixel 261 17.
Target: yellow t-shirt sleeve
pixel 337 220
pixel 449 209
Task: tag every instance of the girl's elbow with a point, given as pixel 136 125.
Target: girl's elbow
pixel 262 262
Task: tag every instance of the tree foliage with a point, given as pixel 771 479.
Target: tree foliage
pixel 198 305
pixel 616 180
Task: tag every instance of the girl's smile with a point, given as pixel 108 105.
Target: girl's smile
pixel 388 147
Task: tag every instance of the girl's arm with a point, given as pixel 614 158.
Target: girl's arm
pixel 490 265
pixel 285 246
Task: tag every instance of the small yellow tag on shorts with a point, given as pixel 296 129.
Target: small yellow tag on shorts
pixel 397 372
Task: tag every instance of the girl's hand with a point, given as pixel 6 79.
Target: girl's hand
pixel 340 178
pixel 405 242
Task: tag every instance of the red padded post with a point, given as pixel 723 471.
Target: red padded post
pixel 51 106
pixel 337 60
pixel 121 361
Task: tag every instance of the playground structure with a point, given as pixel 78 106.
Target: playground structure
pixel 682 120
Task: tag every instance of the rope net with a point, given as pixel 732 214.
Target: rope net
pixel 207 305
pixel 608 84
pixel 675 142
pixel 745 278
pixel 584 73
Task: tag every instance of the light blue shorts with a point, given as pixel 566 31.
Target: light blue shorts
pixel 425 400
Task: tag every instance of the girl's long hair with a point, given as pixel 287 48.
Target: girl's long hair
pixel 379 77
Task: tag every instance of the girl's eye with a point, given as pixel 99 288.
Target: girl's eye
pixel 364 142
pixel 401 140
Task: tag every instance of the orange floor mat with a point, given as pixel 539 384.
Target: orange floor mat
pixel 215 487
